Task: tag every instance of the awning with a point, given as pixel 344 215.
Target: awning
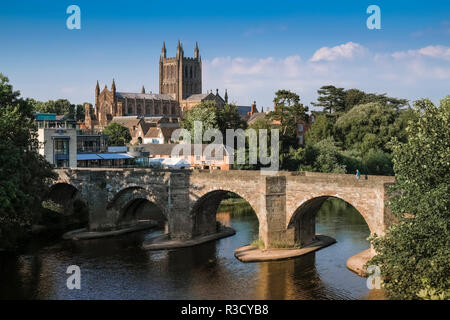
pixel 109 156
pixel 88 156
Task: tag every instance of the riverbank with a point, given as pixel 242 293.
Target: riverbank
pixel 357 262
pixel 252 253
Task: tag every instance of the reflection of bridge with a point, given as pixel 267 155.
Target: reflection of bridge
pixel 285 203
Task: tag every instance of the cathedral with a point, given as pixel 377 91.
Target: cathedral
pixel 180 89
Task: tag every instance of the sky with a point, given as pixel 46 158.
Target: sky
pixel 250 48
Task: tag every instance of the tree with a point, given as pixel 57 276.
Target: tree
pixel 414 254
pixel 367 126
pixel 322 128
pixel 25 175
pixel 228 117
pixel 287 114
pixel 118 135
pixel 213 117
pixel 60 107
pixel 206 113
pixel 331 99
pixel 328 158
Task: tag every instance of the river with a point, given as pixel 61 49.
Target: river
pixel 117 268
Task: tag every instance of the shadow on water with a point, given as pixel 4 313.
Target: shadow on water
pixel 117 268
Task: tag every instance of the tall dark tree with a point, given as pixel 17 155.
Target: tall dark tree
pixel 24 174
pixel 331 99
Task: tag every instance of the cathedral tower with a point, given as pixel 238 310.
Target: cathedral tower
pixel 180 76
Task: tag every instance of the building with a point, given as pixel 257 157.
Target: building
pixel 57 137
pixel 149 129
pixel 246 112
pixel 180 89
pixel 112 157
pixel 204 160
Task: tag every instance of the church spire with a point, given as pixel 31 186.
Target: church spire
pixel 143 89
pixel 196 51
pixel 97 89
pixel 113 87
pixel 164 51
pixel 226 96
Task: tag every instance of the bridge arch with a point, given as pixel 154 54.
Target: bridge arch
pixel 204 210
pixel 303 219
pixel 63 197
pixel 133 203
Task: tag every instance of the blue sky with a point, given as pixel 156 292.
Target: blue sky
pixel 252 48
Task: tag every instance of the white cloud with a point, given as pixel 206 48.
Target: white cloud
pixel 349 50
pixel 436 52
pixel 410 74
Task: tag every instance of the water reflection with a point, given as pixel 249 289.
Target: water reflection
pixel 117 268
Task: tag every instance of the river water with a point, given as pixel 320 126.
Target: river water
pixel 116 268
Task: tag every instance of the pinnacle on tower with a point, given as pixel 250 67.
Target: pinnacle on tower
pixel 179 49
pixel 143 89
pixel 196 51
pixel 97 89
pixel 226 96
pixel 164 51
pixel 113 86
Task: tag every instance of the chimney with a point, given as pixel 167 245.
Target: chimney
pixel 253 108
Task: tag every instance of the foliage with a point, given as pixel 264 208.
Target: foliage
pixel 213 117
pixel 118 135
pixel 24 174
pixel 328 158
pixel 366 126
pixel 333 99
pixel 60 107
pixel 322 128
pixel 414 254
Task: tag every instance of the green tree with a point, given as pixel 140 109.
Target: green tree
pixel 287 114
pixel 414 254
pixel 322 128
pixel 331 99
pixel 118 135
pixel 260 124
pixel 206 113
pixel 367 126
pixel 24 174
pixel 228 117
pixel 328 157
pixel 60 107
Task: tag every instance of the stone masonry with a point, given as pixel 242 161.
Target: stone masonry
pixel 285 203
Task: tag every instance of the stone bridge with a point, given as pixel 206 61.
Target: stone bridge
pixel 285 203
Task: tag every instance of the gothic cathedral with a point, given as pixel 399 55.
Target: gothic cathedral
pixel 180 89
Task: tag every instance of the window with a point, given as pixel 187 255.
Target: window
pixel 61 146
pixel 300 128
pixel 300 140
